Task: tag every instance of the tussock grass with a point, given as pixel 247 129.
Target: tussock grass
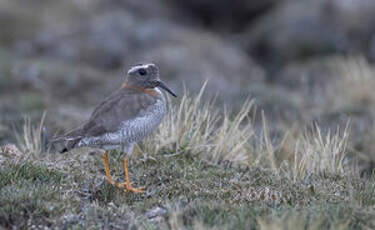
pixel 355 83
pixel 30 140
pixel 318 153
pixel 186 173
pixel 267 148
pixel 298 221
pixel 197 126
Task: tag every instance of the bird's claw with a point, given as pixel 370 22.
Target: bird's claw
pixel 130 188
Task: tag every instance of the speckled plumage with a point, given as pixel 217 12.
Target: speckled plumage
pixel 130 131
pixel 124 118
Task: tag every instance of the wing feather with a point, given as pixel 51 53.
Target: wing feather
pixel 125 104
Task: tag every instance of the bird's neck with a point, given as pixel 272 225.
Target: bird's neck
pixel 149 91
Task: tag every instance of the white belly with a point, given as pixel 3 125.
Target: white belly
pixel 138 128
pixel 131 131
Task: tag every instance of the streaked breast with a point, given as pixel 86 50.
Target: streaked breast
pixel 140 127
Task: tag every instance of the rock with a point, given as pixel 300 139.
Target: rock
pixel 290 32
pixel 310 79
pixel 68 94
pixel 157 212
pixel 222 14
pixel 102 42
pixel 113 40
pixel 279 105
pixel 191 59
pixel 23 20
pixel 307 75
pixel 9 151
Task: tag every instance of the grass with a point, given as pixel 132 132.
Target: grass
pixel 31 139
pixel 318 153
pixel 27 191
pixel 205 168
pixel 356 82
pixel 197 127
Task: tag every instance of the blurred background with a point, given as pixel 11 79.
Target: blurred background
pixel 301 60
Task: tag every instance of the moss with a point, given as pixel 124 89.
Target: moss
pixel 198 187
pixel 192 190
pixel 26 171
pixel 28 191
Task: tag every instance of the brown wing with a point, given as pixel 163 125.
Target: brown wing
pixel 124 104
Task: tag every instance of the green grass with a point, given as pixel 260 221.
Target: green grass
pixel 28 191
pixel 233 178
pixel 193 191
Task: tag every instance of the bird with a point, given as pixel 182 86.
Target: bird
pixel 123 119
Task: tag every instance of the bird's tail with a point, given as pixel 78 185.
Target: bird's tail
pixel 63 144
pixel 66 142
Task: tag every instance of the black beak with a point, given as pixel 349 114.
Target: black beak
pixel 163 86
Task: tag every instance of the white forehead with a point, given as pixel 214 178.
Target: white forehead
pixel 137 67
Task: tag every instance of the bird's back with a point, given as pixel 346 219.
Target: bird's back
pixel 127 116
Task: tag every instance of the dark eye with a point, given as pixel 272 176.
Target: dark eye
pixel 142 72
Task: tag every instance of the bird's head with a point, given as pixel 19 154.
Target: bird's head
pixel 146 76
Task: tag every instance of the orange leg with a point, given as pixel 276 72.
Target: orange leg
pixel 128 185
pixel 106 168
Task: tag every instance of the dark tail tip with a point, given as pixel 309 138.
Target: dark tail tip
pixel 63 144
pixel 63 150
pixel 57 146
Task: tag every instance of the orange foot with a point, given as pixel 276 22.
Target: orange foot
pixel 130 188
pixel 127 185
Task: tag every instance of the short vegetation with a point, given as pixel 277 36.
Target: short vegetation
pixel 282 135
pixel 205 168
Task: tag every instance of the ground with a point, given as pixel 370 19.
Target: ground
pixel 287 143
pixel 183 192
pixel 192 188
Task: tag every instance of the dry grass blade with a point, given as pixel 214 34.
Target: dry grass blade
pixel 317 152
pixel 268 145
pixel 182 191
pixel 297 221
pixel 30 140
pixel 356 83
pixel 200 128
